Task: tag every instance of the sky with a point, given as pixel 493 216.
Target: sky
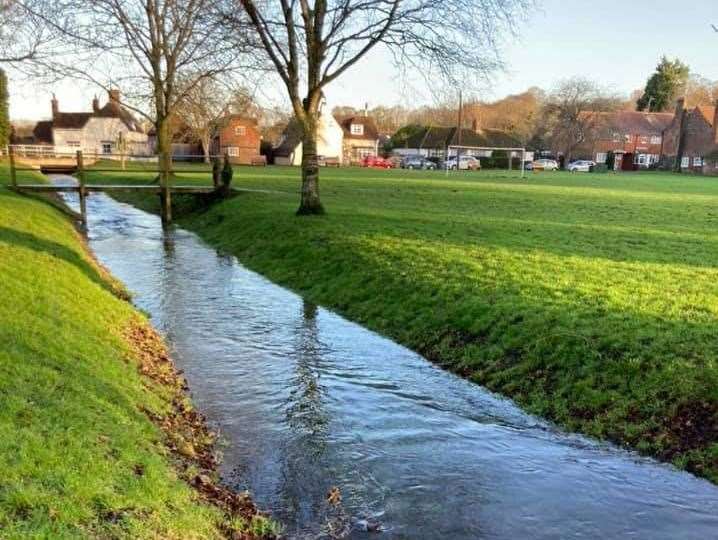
pixel 616 42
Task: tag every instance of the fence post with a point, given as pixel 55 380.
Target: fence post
pixel 81 191
pixel 13 172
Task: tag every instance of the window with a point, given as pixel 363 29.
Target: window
pixel 357 129
pixel 106 148
pixel 627 138
pixel 656 139
pixel 616 137
pixel 73 144
pixel 685 162
pixel 232 151
pixel 644 140
pixel 240 130
pixel 697 161
pixel 601 157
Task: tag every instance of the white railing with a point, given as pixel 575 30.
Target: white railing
pixel 45 151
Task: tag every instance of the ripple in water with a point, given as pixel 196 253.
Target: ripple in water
pixel 306 400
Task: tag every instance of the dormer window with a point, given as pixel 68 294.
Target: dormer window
pixel 240 130
pixel 357 129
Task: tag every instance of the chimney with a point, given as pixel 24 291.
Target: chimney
pixel 114 96
pixel 95 104
pixel 55 106
pixel 680 105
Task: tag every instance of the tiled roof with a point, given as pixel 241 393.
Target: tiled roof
pixel 70 120
pixel 115 110
pixel 291 138
pixel 708 113
pixel 39 133
pixel 634 122
pixel 441 137
pixel 370 129
pixel 78 120
pixel 43 132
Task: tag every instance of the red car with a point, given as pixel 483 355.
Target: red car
pixel 376 162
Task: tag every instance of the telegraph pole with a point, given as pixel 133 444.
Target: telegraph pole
pixel 460 122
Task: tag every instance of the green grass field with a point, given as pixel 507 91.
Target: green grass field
pixel 78 456
pixel 591 300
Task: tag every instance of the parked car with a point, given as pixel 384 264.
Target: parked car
pixel 581 165
pixel 417 162
pixel 465 163
pixel 545 165
pixel 376 162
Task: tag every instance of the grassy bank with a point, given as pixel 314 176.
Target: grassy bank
pixel 590 299
pixel 80 455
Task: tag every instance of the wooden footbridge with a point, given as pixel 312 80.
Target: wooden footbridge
pixel 76 168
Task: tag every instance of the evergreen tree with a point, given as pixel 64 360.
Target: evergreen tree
pixel 664 86
pixel 4 112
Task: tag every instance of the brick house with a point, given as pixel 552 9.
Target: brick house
pixel 360 137
pixel 238 136
pixel 99 131
pixel 636 138
pixel 691 137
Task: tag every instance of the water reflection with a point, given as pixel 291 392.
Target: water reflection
pixel 306 401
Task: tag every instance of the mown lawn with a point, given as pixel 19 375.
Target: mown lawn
pixel 78 456
pixel 591 300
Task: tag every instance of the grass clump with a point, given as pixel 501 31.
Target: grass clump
pixel 79 454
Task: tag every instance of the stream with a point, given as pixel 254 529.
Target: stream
pixel 306 400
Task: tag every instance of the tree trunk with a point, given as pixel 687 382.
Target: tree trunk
pixel 205 141
pixel 164 153
pixel 310 203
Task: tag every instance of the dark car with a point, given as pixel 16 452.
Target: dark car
pixel 417 162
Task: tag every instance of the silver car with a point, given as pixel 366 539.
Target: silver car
pixel 581 165
pixel 465 163
pixel 545 165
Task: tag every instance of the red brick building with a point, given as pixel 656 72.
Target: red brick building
pixel 636 138
pixel 238 136
pixel 691 138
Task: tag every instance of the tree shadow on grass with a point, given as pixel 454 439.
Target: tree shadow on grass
pixel 14 237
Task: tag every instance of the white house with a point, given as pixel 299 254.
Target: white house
pixel 330 138
pixel 106 130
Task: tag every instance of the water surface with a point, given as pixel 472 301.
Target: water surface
pixel 306 400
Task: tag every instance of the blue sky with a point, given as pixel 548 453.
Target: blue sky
pixel 612 41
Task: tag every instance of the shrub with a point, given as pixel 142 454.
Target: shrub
pixel 611 161
pixel 599 168
pixel 227 174
pixel 216 172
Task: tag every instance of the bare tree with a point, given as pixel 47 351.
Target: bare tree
pixel 572 113
pixel 24 35
pixel 158 51
pixel 311 43
pixel 701 91
pixel 207 102
pixel 201 109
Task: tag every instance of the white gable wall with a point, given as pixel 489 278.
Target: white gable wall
pixel 330 138
pixel 97 131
